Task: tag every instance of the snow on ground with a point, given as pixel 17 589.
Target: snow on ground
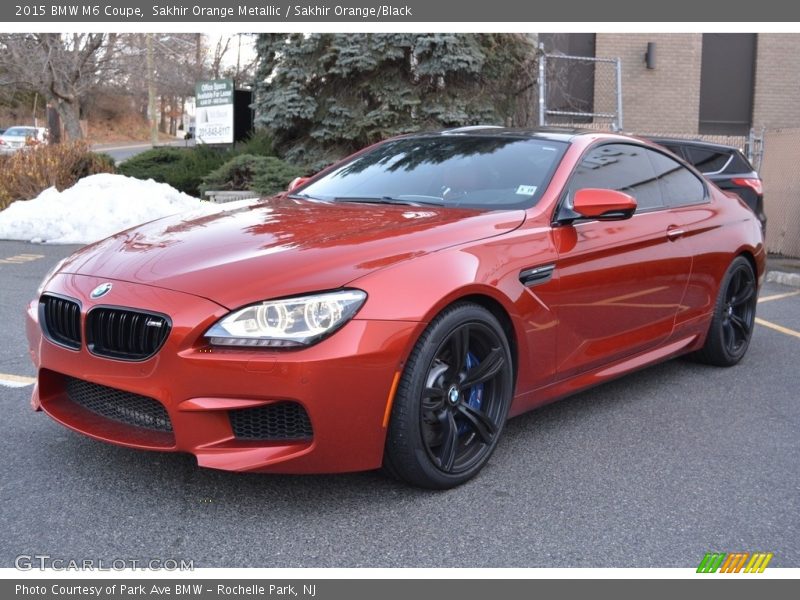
pixel 94 208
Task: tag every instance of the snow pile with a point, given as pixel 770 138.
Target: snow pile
pixel 94 208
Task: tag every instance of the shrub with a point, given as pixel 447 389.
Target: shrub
pixel 199 168
pixel 94 162
pixel 28 173
pixel 276 176
pixel 236 174
pixel 258 143
pixel 263 174
pixel 182 168
pixel 153 160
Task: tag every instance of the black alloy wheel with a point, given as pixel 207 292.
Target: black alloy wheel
pixel 452 400
pixel 739 310
pixel 734 317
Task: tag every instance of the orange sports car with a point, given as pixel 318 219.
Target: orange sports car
pixel 397 308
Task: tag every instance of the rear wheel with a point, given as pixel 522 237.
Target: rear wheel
pixel 452 400
pixel 734 317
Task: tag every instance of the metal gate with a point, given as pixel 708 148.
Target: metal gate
pixel 580 91
pixel 754 149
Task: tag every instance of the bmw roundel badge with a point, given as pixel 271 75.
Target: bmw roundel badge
pixel 101 290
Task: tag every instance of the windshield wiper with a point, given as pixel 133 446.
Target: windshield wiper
pixel 388 200
pixel 305 197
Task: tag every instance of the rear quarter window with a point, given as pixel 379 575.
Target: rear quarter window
pixel 679 186
pixel 706 160
pixel 739 164
pixel 676 150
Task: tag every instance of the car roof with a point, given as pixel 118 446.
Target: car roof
pixel 560 134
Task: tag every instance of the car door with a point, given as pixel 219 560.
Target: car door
pixel 687 198
pixel 620 282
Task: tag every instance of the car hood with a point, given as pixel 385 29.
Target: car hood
pixel 279 247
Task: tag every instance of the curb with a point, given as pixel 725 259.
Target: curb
pixel 790 279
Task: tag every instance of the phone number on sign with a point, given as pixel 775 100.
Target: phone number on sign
pixel 210 131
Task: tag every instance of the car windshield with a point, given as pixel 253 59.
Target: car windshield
pixel 20 131
pixel 482 172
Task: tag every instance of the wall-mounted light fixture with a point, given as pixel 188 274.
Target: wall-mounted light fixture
pixel 650 55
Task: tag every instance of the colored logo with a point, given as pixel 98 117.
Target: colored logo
pixel 101 290
pixel 739 562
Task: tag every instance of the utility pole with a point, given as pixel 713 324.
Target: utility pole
pixel 198 56
pixel 238 60
pixel 151 91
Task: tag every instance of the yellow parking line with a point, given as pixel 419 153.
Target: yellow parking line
pixel 778 296
pixel 18 259
pixel 777 327
pixel 9 380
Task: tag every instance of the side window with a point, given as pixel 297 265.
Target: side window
pixel 707 161
pixel 739 164
pixel 676 150
pixel 620 167
pixel 679 186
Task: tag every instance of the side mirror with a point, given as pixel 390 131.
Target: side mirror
pixel 603 205
pixel 297 182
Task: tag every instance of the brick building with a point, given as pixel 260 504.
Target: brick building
pixel 719 83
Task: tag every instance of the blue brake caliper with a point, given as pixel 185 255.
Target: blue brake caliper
pixel 475 392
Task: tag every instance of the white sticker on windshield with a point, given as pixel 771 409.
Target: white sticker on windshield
pixel 526 190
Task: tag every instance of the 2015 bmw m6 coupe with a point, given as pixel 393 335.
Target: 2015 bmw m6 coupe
pixel 397 308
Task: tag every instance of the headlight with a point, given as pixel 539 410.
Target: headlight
pixel 289 322
pixel 49 276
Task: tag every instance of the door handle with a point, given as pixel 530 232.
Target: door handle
pixel 675 233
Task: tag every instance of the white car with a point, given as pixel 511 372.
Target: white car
pixel 21 136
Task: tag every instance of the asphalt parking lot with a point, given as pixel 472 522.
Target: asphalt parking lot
pixel 653 470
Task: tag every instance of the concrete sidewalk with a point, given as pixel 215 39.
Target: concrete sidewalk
pixel 783 270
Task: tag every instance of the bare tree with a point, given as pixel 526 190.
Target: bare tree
pixel 62 67
pixel 220 50
pixel 175 76
pixel 244 72
pixel 78 73
pixel 178 61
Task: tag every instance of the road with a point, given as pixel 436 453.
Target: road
pixel 655 469
pixel 121 152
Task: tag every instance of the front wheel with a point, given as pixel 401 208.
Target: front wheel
pixel 452 400
pixel 734 317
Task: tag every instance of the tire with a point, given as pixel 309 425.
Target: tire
pixel 733 319
pixel 452 400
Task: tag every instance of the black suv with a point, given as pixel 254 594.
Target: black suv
pixel 726 166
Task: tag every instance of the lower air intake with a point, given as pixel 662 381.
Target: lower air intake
pixel 272 422
pixel 114 404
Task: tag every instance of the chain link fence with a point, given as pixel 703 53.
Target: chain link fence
pixel 580 91
pixel 780 172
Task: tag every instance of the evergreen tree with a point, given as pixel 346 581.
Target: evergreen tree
pixel 326 95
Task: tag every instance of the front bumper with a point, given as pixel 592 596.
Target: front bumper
pixel 343 383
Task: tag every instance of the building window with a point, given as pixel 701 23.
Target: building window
pixel 726 83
